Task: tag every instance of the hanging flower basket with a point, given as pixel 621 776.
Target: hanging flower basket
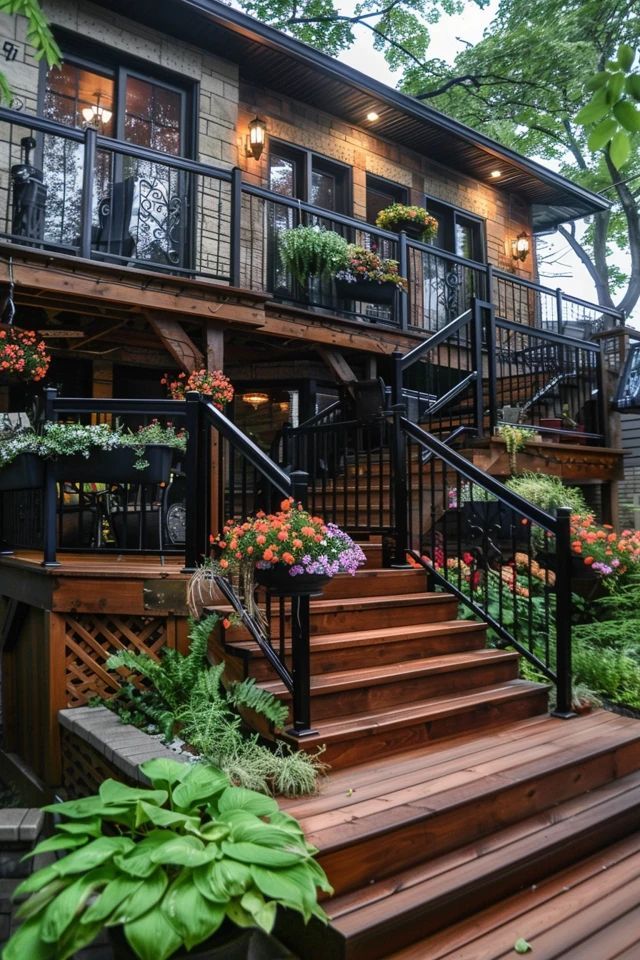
pixel 211 383
pixel 415 221
pixel 23 357
pixel 368 277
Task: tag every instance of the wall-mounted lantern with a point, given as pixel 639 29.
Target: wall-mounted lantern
pixel 256 138
pixel 520 247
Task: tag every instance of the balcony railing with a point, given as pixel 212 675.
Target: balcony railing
pixel 77 192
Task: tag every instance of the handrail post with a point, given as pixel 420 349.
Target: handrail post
pixel 300 634
pixel 563 614
pixel 50 498
pixel 236 226
pixel 403 269
pixel 476 362
pixel 192 458
pixel 399 488
pixel 299 486
pixel 492 377
pixel 397 377
pixel 559 309
pixel 489 281
pixel 88 167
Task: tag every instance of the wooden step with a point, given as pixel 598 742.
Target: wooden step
pixel 365 613
pixel 571 908
pixel 419 843
pixel 370 689
pixel 356 739
pixel 344 651
pixel 371 582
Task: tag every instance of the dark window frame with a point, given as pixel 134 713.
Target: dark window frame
pixel 453 213
pixel 397 191
pixel 100 58
pixel 309 161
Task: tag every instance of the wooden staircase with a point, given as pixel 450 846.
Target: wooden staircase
pixel 451 789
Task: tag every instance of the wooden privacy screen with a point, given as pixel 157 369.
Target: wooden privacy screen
pixel 89 641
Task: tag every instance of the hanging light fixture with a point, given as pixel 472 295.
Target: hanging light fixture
pixel 256 138
pixel 95 115
pixel 255 399
pixel 520 247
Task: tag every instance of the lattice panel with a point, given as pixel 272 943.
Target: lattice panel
pixel 83 768
pixel 89 641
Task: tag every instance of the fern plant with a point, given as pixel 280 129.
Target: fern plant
pixel 186 695
pixel 311 252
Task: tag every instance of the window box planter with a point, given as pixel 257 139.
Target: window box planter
pixel 117 466
pixel 26 472
pixel 366 291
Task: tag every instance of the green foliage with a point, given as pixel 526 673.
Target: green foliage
pixel 612 108
pixel 548 492
pixel 185 694
pixel 38 35
pixel 312 252
pixel 168 863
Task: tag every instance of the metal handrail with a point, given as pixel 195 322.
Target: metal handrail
pixel 434 340
pixel 540 334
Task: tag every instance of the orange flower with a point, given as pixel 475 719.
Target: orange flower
pixel 288 558
pixel 226 623
pixel 588 561
pixel 268 555
pixel 224 563
pixel 286 504
pixel 260 539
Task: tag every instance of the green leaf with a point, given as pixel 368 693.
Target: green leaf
pixel 88 828
pixel 238 915
pixel 39 900
pixel 92 855
pixel 152 937
pixel 231 877
pixel 592 112
pixel 633 86
pixel 615 86
pixel 26 942
pixel 202 878
pixel 202 783
pixel 77 937
pixel 521 946
pixel 264 914
pixel 87 807
pixel 160 771
pixel 112 791
pixel 193 917
pixel 620 149
pixel 598 80
pixel 162 817
pixel 183 852
pixel 118 890
pixel 138 862
pixel 626 56
pixel 601 135
pixel 239 798
pixel 58 843
pixel 627 115
pixel 265 856
pixel 67 904
pixel 278 885
pixel 150 892
pixel 36 881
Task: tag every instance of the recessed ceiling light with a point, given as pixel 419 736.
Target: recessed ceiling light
pixel 372 116
pixel 495 174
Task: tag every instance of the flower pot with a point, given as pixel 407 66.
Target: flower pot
pixel 366 291
pixel 117 466
pixel 278 580
pixel 229 943
pixel 411 228
pixel 24 473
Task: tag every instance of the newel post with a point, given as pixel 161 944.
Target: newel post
pixel 192 465
pixel 398 448
pixel 88 167
pixel 300 631
pixel 563 614
pixel 50 498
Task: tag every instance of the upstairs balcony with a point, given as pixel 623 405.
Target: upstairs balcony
pixel 75 192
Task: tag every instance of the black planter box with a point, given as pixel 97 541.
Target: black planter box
pixel 117 466
pixel 278 580
pixel 366 291
pixel 26 472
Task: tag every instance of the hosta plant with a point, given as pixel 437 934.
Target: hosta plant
pixel 169 864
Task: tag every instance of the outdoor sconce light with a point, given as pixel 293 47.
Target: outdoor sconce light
pixel 255 399
pixel 520 247
pixel 95 115
pixel 256 138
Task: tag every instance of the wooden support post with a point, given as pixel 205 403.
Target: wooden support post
pixel 102 387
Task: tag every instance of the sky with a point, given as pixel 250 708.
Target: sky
pixel 561 268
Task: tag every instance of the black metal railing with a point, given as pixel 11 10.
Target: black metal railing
pixel 506 560
pixel 76 191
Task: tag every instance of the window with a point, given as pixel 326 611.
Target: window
pixel 140 207
pixel 459 232
pixel 381 194
pixel 297 173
